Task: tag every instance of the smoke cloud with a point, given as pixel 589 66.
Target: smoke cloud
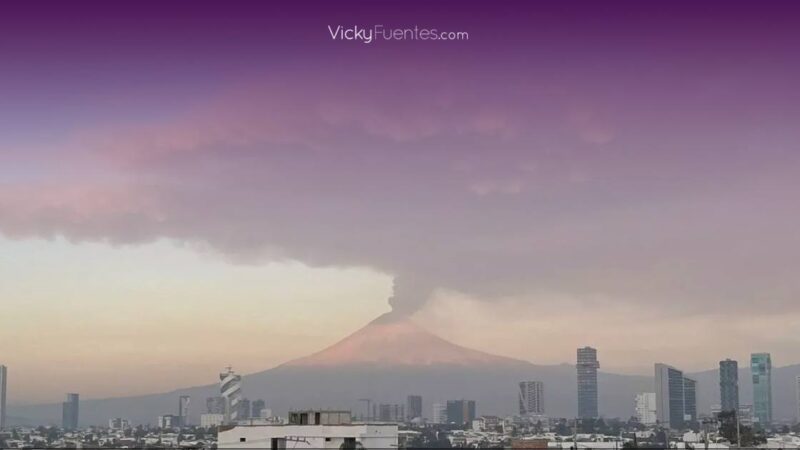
pixel 489 185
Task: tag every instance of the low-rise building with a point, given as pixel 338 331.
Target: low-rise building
pixel 312 430
pixel 211 420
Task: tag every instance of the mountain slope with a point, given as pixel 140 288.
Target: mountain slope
pixel 391 358
pixel 392 340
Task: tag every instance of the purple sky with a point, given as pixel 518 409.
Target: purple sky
pixel 640 152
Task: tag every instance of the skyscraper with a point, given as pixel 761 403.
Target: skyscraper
pixel 531 398
pixel 797 392
pixel 414 406
pixel 389 412
pixel 729 385
pixel 646 408
pixel 231 389
pixel 69 412
pixel 460 411
pixel 215 405
pixel 244 409
pixel 439 413
pixel 689 399
pixel 3 383
pixel 183 410
pixel 669 385
pixel 761 368
pixel 258 406
pixel 587 366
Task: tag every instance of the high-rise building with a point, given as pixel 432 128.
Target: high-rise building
pixel 183 410
pixel 729 385
pixel 761 369
pixel 244 409
pixel 531 398
pixel 646 408
pixel 231 389
pixel 118 424
pixel 413 407
pixel 669 396
pixel 689 399
pixel 257 408
pixel 797 392
pixel 439 413
pixel 215 405
pixel 587 366
pixel 168 421
pixel 391 412
pixel 3 383
pixel 69 412
pixel 460 411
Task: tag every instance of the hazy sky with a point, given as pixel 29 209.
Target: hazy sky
pixel 186 188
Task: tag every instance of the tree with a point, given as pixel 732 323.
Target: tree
pixel 749 436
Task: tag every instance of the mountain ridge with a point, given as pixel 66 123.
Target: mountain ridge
pixel 392 357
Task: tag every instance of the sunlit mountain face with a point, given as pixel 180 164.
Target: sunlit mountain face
pixel 395 340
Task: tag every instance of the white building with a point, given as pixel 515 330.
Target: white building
pixel 646 408
pixel 211 420
pixel 168 421
pixel 531 398
pixel 311 430
pixel 118 423
pixel 230 385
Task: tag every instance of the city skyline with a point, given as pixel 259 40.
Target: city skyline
pixel 606 174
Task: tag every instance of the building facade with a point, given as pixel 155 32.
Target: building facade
pixel 230 385
pixel 439 413
pixel 646 408
pixel 70 410
pixel 3 385
pixel 460 411
pixel 797 394
pixel 388 412
pixel 761 369
pixel 215 405
pixel 729 385
pixel 169 421
pixel 587 366
pixel 118 424
pixel 183 409
pixel 531 398
pixel 311 430
pixel 258 407
pixel 689 399
pixel 211 420
pixel 669 396
pixel 413 407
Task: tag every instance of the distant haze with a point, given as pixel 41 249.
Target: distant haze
pixel 354 368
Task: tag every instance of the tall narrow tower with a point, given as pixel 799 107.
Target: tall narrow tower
pixel 231 389
pixel 729 385
pixel 183 410
pixel 70 411
pixel 761 369
pixel 3 383
pixel 587 366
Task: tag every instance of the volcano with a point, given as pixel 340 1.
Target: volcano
pixel 395 340
pixel 385 361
